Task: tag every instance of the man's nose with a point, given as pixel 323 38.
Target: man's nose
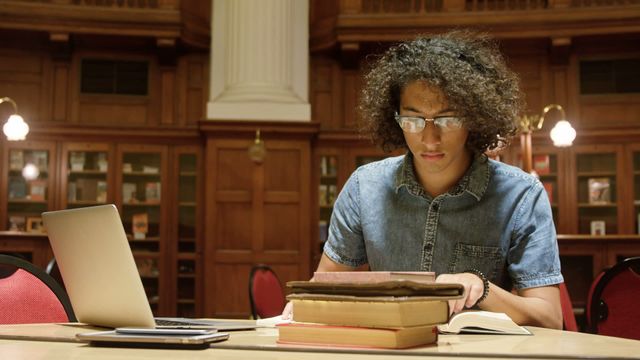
pixel 431 134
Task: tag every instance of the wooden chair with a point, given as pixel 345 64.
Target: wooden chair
pixel 29 295
pixel 613 304
pixel 265 292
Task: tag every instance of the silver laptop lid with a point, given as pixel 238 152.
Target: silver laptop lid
pixel 96 263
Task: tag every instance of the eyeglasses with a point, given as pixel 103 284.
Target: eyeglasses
pixel 415 124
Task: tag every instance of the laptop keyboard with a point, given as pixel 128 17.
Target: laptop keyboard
pixel 166 322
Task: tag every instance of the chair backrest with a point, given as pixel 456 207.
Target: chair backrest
pixel 614 309
pixel 568 318
pixel 29 295
pixel 54 271
pixel 265 292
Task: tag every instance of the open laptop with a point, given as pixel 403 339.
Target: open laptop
pixel 100 274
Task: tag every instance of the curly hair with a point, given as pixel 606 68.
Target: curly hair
pixel 466 66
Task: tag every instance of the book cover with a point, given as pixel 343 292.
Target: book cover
pixel 599 191
pixel 391 313
pixel 152 192
pixel 40 159
pixel 140 225
pixel 542 164
pixel 38 190
pixel 598 227
pixel 323 166
pixel 373 276
pixel 332 193
pixel 548 187
pixel 485 322
pixel 351 336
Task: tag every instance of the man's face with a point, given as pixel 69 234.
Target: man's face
pixel 436 152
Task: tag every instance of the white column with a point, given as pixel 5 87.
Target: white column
pixel 259 60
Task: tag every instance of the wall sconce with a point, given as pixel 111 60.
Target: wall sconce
pixel 257 150
pixel 15 128
pixel 562 133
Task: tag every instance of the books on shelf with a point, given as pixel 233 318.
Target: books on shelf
pixel 39 159
pixel 328 166
pixel 72 191
pixel 77 160
pixel 322 195
pixel 150 169
pixel 373 276
pixel 16 160
pixel 352 336
pixel 542 164
pixel 599 190
pixel 140 225
pixel 598 227
pixel 101 191
pixel 128 192
pixel 38 190
pixel 482 322
pixel 332 193
pixel 17 188
pixel 390 312
pixel 101 162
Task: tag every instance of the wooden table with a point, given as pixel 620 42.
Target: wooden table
pixel 16 342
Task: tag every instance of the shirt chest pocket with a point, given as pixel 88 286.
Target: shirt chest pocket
pixel 487 259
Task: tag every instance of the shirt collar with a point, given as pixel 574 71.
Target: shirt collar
pixel 475 180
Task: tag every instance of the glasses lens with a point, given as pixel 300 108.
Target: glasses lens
pixel 411 124
pixel 448 123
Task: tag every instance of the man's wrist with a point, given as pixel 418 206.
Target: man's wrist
pixel 485 284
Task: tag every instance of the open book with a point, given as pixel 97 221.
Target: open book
pixel 373 276
pixel 485 322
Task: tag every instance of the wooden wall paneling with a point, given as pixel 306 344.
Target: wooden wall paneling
pixel 351 86
pixel 21 79
pixel 196 89
pixel 168 97
pixel 326 92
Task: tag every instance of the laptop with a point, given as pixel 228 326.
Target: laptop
pixel 100 274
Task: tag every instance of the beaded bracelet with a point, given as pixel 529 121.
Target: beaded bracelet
pixel 485 283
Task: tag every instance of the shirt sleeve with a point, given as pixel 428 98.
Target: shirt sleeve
pixel 345 243
pixel 533 258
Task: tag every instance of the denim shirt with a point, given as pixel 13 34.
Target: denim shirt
pixel 497 219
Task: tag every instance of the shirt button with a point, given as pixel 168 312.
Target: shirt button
pixel 428 246
pixel 434 207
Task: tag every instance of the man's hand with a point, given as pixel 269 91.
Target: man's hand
pixel 287 313
pixel 473 290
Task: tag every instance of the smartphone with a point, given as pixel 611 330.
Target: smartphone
pixel 114 339
pixel 164 331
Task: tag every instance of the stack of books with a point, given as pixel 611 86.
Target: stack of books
pixel 368 309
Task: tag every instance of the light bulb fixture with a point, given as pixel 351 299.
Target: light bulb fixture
pixel 15 128
pixel 562 133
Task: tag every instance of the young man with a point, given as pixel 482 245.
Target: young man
pixel 444 206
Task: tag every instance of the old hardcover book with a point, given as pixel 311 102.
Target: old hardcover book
pixel 484 322
pixel 351 336
pixel 373 276
pixel 392 312
pixel 542 164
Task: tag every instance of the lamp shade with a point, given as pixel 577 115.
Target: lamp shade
pixel 15 128
pixel 563 134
